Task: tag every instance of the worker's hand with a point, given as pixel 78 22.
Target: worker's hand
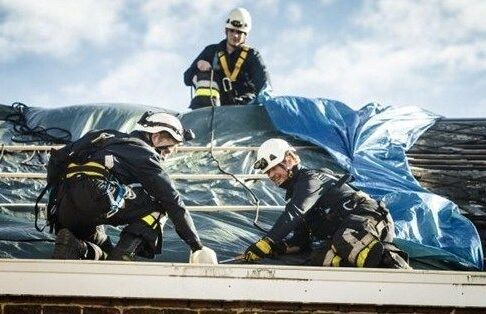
pixel 262 248
pixel 203 65
pixel 280 248
pixel 203 256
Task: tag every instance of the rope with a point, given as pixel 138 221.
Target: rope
pixel 254 199
pixel 26 134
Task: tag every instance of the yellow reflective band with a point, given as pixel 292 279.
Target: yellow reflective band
pixel 88 173
pixel 360 261
pixel 224 63
pixel 207 92
pixel 336 261
pixel 150 220
pixel 90 164
pixel 264 246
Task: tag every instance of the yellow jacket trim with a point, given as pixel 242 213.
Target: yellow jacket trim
pixel 73 166
pixel 264 246
pixel 360 261
pixel 224 63
pixel 207 92
pixel 336 261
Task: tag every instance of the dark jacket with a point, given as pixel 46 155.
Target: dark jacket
pixel 249 82
pixel 135 161
pixel 317 206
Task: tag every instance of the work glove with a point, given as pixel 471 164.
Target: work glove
pixel 264 248
pixel 203 256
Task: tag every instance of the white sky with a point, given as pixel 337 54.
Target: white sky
pixel 430 54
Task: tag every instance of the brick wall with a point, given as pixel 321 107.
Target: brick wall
pixel 76 305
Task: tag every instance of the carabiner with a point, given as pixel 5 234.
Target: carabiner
pixel 227 85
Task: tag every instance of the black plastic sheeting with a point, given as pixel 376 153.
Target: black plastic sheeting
pixel 228 233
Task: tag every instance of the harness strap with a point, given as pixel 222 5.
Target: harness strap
pixel 232 75
pixel 344 179
pixel 151 221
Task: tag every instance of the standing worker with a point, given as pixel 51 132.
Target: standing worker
pixel 238 70
pixel 342 226
pixel 112 178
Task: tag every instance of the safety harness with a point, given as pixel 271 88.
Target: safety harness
pixel 73 161
pixel 364 248
pixel 116 191
pixel 231 76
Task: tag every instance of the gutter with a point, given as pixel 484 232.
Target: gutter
pixel 261 283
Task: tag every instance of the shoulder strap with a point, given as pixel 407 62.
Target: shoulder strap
pixel 233 75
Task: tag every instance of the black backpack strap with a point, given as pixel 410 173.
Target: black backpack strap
pixel 343 180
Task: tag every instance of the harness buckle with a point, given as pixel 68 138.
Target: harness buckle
pixel 349 208
pixel 116 195
pixel 227 85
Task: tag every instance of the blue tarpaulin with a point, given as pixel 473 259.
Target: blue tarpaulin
pixel 371 144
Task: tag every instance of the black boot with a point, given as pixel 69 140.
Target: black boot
pixel 126 249
pixel 68 246
pixel 393 257
pixel 374 255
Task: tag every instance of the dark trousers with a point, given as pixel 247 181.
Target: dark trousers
pixel 84 205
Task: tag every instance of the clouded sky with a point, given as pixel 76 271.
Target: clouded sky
pixel 429 53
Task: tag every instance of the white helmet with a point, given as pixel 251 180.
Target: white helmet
pixel 240 20
pixel 161 121
pixel 271 153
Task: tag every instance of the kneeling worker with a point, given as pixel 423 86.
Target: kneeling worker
pixel 342 226
pixel 112 178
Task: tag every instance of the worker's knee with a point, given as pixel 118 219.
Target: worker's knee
pixel 358 247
